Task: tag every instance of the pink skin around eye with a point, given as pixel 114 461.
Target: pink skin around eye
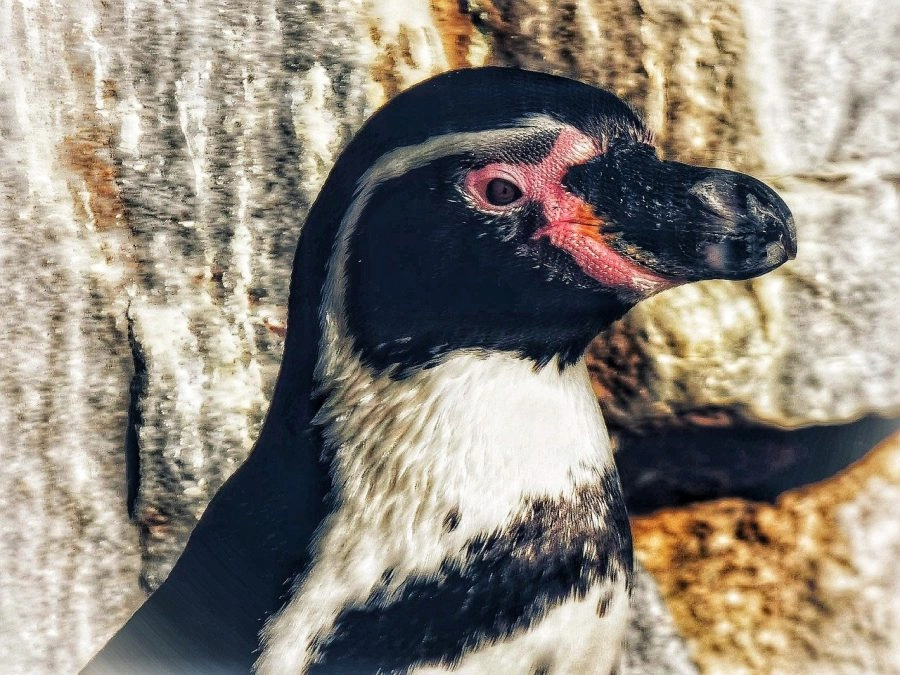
pixel 571 223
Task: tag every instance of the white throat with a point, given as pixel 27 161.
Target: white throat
pixel 477 434
pixel 424 465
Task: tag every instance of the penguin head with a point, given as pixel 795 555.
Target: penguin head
pixel 499 209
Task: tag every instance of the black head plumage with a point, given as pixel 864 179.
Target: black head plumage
pixel 430 270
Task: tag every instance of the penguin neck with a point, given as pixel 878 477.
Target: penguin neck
pixel 465 443
pixel 473 435
pixel 462 466
pixel 447 466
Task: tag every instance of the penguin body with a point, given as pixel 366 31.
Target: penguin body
pixel 432 552
pixel 433 488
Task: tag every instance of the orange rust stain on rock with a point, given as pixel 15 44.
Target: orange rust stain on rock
pixel 153 523
pixel 404 47
pixel 276 327
pixel 753 585
pixel 454 24
pixel 384 68
pixel 87 155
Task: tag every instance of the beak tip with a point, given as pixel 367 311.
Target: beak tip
pixel 769 230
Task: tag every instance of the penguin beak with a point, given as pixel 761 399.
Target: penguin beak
pixel 683 222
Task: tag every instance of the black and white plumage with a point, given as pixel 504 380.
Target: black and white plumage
pixel 433 487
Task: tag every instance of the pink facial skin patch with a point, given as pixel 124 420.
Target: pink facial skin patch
pixel 571 223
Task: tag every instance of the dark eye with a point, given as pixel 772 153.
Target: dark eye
pixel 501 192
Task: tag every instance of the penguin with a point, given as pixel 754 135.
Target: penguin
pixel 433 488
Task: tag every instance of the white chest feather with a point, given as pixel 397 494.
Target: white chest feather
pixel 423 466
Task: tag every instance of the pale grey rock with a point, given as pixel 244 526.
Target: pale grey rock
pixel 827 92
pixel 69 558
pixel 869 633
pixel 826 81
pixel 652 642
pixel 231 137
pixel 841 299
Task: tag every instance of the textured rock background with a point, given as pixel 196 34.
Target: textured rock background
pixel 809 584
pixel 156 162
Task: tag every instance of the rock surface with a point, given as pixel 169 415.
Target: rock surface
pixel 681 63
pixel 69 557
pixel 653 644
pixel 808 585
pixel 814 342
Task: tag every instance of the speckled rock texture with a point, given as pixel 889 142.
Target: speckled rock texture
pixel 69 557
pixel 807 585
pixel 157 160
pixel 231 138
pixel 653 643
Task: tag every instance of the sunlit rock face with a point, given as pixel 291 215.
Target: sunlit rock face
pixel 157 161
pixel 223 146
pixel 796 95
pixel 806 585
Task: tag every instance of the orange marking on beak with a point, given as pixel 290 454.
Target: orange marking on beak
pixel 587 223
pixel 585 214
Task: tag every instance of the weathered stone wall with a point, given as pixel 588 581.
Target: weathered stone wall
pixel 157 160
pixel 807 585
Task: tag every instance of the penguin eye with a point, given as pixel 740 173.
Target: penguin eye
pixel 501 192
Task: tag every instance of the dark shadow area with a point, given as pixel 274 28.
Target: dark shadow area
pixel 681 466
pixel 136 389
